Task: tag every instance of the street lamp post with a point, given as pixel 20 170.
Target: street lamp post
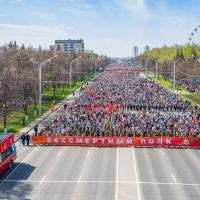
pixel 40 79
pixel 70 72
pixel 96 65
pixel 146 68
pixel 5 118
pixel 156 71
pixel 86 77
pixel 40 88
pixel 174 86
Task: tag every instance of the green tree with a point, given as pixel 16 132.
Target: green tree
pixel 182 55
pixel 22 47
pixel 177 54
pixel 40 48
pixel 15 44
pixel 58 48
pixel 194 53
pixel 10 45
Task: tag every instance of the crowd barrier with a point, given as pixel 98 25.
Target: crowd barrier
pixel 117 141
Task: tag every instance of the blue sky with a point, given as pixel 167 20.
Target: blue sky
pixel 110 27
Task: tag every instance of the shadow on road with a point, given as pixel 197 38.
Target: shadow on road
pixel 13 183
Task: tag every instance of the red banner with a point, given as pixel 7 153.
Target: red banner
pixel 117 141
pixel 7 142
pixel 118 68
pixel 109 107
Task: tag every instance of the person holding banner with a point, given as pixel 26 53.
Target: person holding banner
pixel 52 108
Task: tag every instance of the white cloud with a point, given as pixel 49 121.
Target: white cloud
pixel 108 46
pixel 111 28
pixel 137 7
pixel 173 27
pixel 32 34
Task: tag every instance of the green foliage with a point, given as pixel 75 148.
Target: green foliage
pixel 193 98
pixel 169 53
pixel 167 84
pixel 90 53
pixel 15 119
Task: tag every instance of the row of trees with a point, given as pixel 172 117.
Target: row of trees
pixel 19 75
pixel 187 68
pixel 169 53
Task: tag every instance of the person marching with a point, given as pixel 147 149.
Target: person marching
pixel 27 138
pixel 36 129
pixel 23 139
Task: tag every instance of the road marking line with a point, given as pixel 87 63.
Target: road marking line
pixel 21 162
pixel 136 174
pixel 160 183
pixel 104 182
pixel 48 181
pixel 88 153
pixel 162 152
pixel 173 177
pixel 42 180
pixel 116 178
pixel 79 180
pixel 59 153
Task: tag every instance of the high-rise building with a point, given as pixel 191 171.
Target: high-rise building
pixel 147 48
pixel 135 51
pixel 70 46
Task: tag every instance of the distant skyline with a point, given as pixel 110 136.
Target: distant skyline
pixel 109 27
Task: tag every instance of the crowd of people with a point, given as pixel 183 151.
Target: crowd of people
pixel 122 103
pixel 191 87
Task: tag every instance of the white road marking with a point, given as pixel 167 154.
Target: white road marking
pixel 162 152
pixel 173 177
pixel 88 153
pixel 42 180
pixel 116 177
pixel 103 182
pixel 160 183
pixel 21 162
pixel 57 181
pixel 59 153
pixel 136 174
pixel 79 180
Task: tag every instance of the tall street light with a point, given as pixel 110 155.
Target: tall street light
pixel 5 121
pixel 40 78
pixel 175 72
pixel 96 65
pixel 146 68
pixel 70 72
pixel 156 71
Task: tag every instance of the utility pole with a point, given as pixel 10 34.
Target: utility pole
pixel 5 118
pixel 54 88
pixel 146 68
pixel 174 76
pixel 70 73
pixel 40 78
pixel 40 88
pixel 156 71
pixel 96 64
pixel 175 73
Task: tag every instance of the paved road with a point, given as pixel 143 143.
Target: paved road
pixel 88 173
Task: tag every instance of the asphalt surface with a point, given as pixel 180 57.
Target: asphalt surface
pixel 89 173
